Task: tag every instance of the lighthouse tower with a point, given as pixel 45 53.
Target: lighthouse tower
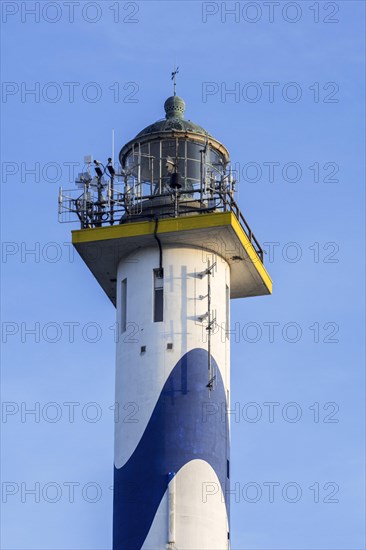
pixel 163 236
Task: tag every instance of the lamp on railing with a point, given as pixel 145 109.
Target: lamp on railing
pixel 110 168
pixel 175 181
pixel 98 169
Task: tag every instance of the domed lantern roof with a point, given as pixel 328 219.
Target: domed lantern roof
pixel 174 125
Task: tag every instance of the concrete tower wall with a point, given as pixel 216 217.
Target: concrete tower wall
pixel 171 432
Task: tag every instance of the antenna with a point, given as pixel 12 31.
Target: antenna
pixel 174 78
pixel 113 146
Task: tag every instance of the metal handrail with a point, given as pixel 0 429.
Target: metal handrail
pixel 96 213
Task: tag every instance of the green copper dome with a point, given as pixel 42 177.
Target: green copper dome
pixel 161 134
pixel 174 120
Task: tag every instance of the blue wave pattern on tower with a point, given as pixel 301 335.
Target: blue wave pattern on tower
pixel 178 431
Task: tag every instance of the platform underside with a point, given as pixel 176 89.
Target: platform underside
pixel 102 248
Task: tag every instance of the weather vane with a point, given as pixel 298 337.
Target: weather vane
pixel 174 75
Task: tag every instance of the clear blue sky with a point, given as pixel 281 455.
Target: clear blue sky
pixel 320 209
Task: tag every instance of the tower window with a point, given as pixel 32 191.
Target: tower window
pixel 158 295
pixel 123 305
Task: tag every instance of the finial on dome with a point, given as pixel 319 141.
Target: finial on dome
pixel 174 78
pixel 174 107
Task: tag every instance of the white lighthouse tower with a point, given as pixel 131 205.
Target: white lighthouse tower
pixel 166 241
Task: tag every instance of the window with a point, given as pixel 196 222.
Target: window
pixel 123 305
pixel 158 295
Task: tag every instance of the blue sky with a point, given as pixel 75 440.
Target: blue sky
pixel 313 212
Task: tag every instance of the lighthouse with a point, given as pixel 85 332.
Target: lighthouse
pixel 163 236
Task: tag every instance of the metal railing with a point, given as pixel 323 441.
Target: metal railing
pixel 115 203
